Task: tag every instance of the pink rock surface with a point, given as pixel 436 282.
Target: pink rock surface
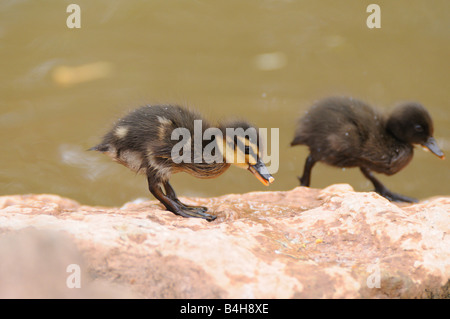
pixel 303 243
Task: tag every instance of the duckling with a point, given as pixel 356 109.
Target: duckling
pixel 145 142
pixel 346 132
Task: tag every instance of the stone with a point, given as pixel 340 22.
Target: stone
pixel 302 243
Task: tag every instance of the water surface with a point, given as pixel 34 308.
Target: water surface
pixel 268 61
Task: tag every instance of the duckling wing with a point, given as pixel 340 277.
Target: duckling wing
pixel 335 130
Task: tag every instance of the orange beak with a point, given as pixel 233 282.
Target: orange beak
pixel 260 171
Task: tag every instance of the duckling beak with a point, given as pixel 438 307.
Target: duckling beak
pixel 261 173
pixel 431 144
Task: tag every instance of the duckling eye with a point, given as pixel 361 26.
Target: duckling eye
pixel 418 128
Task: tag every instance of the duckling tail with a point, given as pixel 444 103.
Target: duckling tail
pixel 100 148
pixel 298 140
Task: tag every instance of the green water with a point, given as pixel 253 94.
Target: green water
pixel 268 61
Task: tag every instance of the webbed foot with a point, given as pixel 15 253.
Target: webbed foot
pixel 394 197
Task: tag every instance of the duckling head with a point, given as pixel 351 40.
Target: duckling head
pixel 242 147
pixel 411 123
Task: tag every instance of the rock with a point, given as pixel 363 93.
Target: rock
pixel 303 243
pixel 38 264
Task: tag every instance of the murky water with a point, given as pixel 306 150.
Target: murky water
pixel 61 88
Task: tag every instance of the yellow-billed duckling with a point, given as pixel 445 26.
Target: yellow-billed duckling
pixel 152 140
pixel 346 132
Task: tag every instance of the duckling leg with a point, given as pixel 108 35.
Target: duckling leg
pixel 383 191
pixel 173 206
pixel 170 192
pixel 305 180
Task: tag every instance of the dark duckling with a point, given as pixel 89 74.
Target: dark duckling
pixel 143 141
pixel 346 132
